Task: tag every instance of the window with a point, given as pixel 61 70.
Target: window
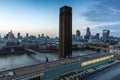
pixel 96 60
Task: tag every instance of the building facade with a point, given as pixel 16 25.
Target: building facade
pixel 106 34
pixel 88 33
pixel 65 32
pixel 78 35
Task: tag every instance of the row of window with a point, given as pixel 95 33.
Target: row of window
pixel 115 51
pixel 96 60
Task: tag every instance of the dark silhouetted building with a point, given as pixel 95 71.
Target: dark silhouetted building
pixel 77 35
pixel 27 35
pixel 65 32
pixel 77 32
pixel 42 36
pixel 88 33
pixel 18 35
pixel 38 36
pixel 106 34
pixel 97 36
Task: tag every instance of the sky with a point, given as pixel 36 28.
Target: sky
pixel 42 16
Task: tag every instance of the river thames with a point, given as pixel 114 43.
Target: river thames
pixel 11 61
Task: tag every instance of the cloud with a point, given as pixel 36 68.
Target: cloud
pixel 104 14
pixel 111 27
pixel 95 25
pixel 104 11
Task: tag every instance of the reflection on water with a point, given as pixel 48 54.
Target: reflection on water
pixel 20 60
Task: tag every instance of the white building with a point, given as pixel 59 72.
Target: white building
pixel 115 49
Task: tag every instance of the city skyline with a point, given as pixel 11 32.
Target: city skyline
pixel 80 52
pixel 41 16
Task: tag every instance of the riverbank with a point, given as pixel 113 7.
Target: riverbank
pixel 15 52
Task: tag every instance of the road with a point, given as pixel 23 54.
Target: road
pixel 105 74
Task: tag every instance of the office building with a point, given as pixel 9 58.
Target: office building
pixel 78 35
pixel 77 32
pixel 18 35
pixel 38 36
pixel 88 33
pixel 106 34
pixel 27 35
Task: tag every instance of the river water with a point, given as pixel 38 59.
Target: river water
pixel 20 60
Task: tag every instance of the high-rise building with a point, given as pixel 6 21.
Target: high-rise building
pixel 65 32
pixel 38 36
pixel 27 35
pixel 42 36
pixel 77 35
pixel 97 36
pixel 6 37
pixel 77 32
pixel 106 34
pixel 88 33
pixel 18 35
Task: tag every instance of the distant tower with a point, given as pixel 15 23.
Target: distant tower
pixel 65 32
pixel 27 35
pixel 18 35
pixel 106 34
pixel 88 33
pixel 38 36
pixel 77 33
pixel 42 36
pixel 97 36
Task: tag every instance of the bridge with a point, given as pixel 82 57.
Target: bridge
pixel 97 46
pixel 33 51
pixel 54 70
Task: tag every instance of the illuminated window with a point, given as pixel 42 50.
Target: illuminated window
pixel 93 61
pixel 96 60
